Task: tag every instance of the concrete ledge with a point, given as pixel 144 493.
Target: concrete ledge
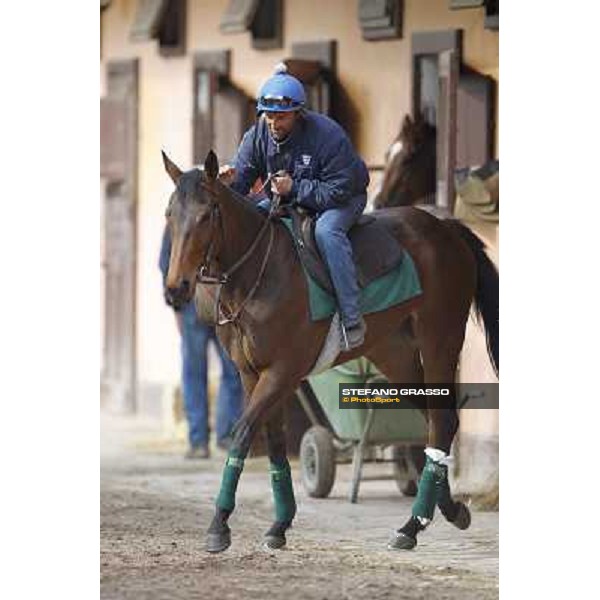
pixel 477 469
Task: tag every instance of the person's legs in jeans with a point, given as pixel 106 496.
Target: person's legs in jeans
pixel 194 340
pixel 331 235
pixel 230 398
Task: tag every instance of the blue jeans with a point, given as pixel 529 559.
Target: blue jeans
pixel 331 233
pixel 194 342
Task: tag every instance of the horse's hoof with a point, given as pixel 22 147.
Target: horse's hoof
pixel 401 541
pixel 218 542
pixel 274 542
pixel 463 516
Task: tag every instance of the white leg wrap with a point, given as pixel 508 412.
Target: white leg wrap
pixel 438 456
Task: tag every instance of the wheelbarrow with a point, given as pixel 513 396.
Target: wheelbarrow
pixel 362 434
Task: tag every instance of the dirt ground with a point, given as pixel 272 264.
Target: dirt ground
pixel 155 508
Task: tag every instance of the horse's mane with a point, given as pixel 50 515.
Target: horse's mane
pixel 244 201
pixel 189 187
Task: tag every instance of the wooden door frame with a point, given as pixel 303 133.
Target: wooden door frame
pixel 447 45
pixel 216 63
pixel 122 77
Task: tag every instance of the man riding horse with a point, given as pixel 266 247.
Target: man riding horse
pixel 263 310
pixel 309 161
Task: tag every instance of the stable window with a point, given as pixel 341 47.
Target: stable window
pixel 380 19
pixel 239 16
pixel 148 16
pixel 262 18
pixel 267 25
pixel 163 20
pixel 457 100
pixel 491 10
pixel 466 3
pixel 492 14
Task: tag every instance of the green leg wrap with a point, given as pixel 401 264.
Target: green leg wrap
pixel 231 475
pixel 433 488
pixel 283 491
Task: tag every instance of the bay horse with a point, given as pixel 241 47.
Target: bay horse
pixel 409 176
pixel 221 239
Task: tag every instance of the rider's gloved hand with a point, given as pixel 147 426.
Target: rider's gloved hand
pixel 282 184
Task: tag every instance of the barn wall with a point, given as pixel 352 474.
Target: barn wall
pixel 375 76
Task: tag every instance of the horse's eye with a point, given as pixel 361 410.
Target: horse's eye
pixel 168 212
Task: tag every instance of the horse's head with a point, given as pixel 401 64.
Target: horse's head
pixel 410 165
pixel 189 220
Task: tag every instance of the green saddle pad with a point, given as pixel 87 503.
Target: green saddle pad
pixel 397 286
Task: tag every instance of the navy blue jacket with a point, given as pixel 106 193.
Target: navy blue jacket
pixel 325 169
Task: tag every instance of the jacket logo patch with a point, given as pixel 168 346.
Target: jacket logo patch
pixel 306 159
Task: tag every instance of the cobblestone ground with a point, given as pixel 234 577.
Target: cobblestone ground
pixel 155 508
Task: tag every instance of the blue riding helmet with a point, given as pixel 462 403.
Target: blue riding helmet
pixel 281 93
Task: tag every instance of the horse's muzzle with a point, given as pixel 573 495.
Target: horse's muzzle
pixel 178 296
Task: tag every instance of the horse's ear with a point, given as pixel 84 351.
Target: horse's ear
pixel 406 123
pixel 211 165
pixel 172 169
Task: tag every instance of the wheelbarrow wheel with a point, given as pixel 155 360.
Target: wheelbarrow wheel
pixel 408 464
pixel 317 460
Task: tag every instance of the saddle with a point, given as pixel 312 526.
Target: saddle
pixel 375 250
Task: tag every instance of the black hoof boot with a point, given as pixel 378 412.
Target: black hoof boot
pixel 275 537
pixel 401 541
pixel 405 538
pixel 274 542
pixel 218 536
pixel 218 541
pixel 462 520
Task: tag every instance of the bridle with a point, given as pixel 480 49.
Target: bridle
pixel 203 272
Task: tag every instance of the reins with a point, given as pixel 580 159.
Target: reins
pixel 203 271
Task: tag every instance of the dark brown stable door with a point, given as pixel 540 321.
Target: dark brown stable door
pixel 474 119
pixel 222 112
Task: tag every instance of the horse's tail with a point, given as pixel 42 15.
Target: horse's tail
pixel 486 294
